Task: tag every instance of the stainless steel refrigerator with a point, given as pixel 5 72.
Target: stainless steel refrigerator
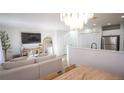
pixel 110 43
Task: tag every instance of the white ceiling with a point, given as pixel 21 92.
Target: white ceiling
pixel 103 18
pixel 51 21
pixel 45 21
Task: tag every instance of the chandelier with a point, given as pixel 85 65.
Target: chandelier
pixel 75 20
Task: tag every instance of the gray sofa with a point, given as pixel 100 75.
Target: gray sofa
pixel 33 71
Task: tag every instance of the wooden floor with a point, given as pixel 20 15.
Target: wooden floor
pixel 56 74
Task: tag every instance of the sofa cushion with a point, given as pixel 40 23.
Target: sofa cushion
pixel 44 58
pixel 10 65
pixel 19 58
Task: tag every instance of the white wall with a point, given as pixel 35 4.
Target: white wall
pixel 72 38
pixel 60 42
pixel 15 38
pixel 86 39
pixel 111 61
pixel 1 54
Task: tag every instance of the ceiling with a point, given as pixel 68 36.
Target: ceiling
pixel 103 19
pixel 51 21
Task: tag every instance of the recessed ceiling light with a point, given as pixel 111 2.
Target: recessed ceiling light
pixel 94 24
pixel 122 16
pixel 108 23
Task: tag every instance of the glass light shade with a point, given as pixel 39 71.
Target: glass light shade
pixel 75 20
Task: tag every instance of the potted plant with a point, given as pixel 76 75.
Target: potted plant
pixel 5 42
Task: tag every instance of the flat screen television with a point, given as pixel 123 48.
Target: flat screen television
pixel 31 38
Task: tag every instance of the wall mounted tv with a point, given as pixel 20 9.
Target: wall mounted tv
pixel 28 38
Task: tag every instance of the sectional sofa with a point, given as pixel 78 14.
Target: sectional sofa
pixel 33 69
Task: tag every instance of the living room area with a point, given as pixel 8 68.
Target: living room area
pixel 29 38
pixel 30 32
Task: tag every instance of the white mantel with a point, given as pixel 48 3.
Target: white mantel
pixel 1 54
